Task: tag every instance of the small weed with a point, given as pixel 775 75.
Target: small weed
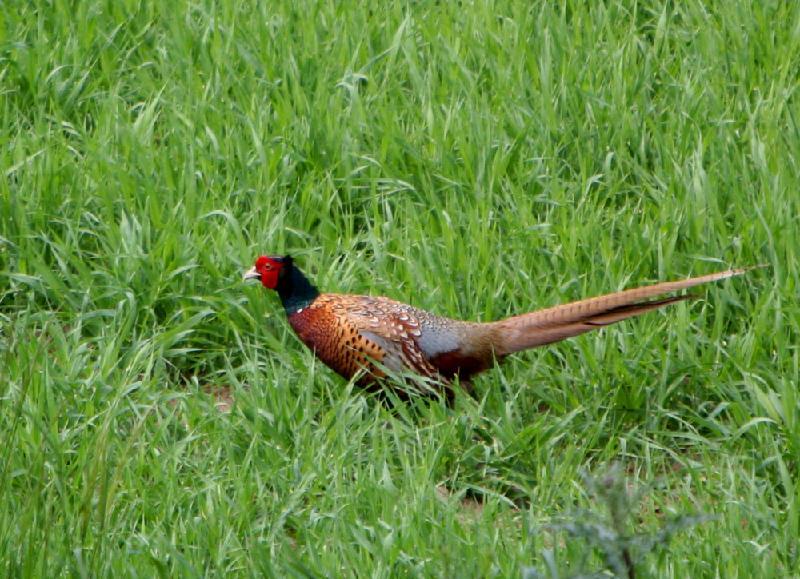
pixel 612 533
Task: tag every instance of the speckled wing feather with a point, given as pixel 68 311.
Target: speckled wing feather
pixel 351 333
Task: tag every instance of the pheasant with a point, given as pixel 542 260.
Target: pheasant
pixel 364 336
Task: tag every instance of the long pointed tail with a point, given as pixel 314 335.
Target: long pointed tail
pixel 564 321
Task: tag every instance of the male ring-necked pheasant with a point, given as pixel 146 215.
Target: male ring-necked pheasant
pixel 354 333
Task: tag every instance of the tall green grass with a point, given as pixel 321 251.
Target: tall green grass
pixel 477 159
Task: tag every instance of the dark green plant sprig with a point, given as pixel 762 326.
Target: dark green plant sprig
pixel 612 534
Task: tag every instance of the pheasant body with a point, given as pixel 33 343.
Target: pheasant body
pixel 367 336
pixel 350 333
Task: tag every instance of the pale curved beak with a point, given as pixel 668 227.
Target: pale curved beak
pixel 251 274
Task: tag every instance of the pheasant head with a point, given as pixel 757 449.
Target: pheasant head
pixel 278 273
pixel 270 270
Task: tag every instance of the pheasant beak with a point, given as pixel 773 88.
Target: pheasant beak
pixel 251 274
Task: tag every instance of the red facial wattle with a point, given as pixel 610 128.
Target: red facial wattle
pixel 269 277
pixel 269 270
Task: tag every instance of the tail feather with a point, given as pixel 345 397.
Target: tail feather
pixel 565 321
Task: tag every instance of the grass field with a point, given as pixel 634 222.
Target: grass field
pixel 477 159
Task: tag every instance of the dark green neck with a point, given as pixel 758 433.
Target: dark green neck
pixel 295 291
